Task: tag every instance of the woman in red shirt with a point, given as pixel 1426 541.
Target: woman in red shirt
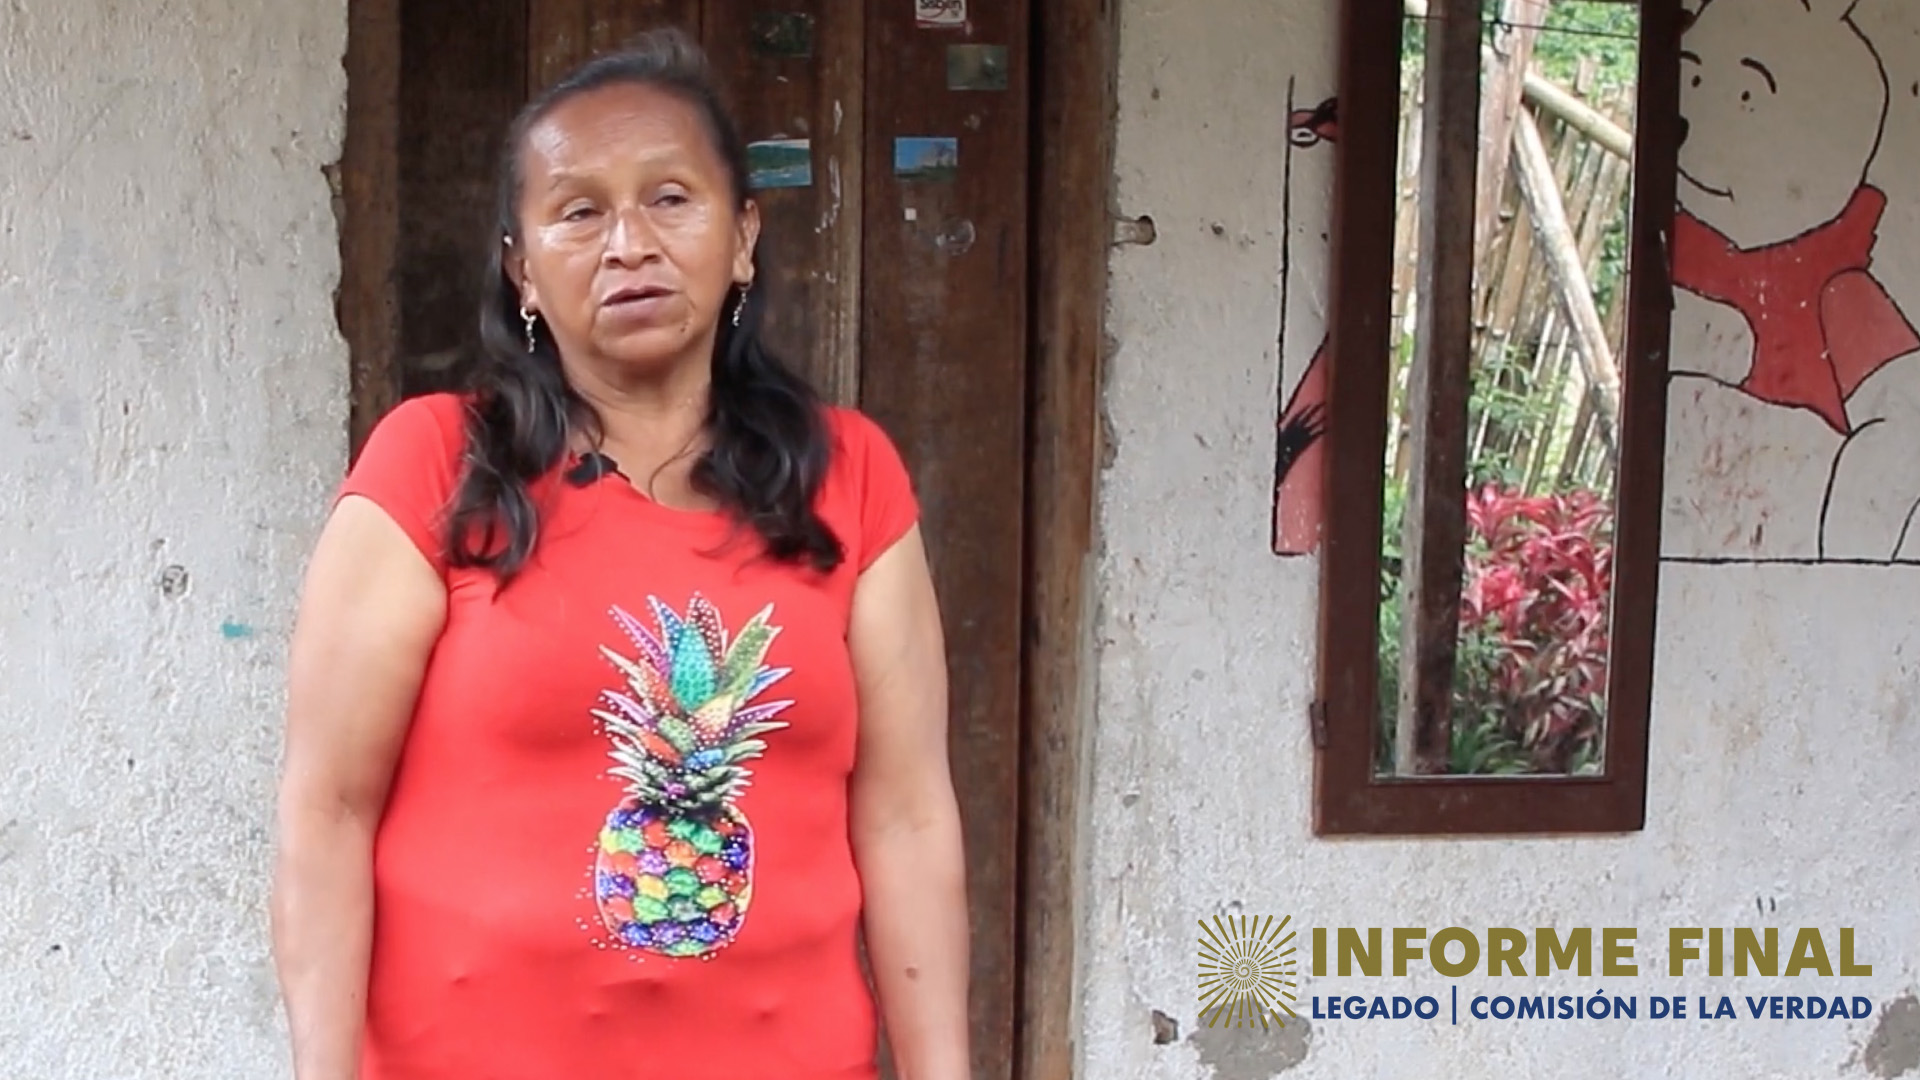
pixel 617 702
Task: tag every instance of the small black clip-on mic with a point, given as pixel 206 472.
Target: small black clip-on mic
pixel 593 465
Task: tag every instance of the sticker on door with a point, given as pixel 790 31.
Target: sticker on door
pixel 940 12
pixel 779 163
pixel 921 158
pixel 976 67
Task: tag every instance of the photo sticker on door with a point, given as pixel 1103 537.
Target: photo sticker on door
pixel 940 13
pixel 787 34
pixel 926 159
pixel 976 67
pixel 779 163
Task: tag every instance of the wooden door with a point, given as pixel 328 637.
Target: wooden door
pixel 900 274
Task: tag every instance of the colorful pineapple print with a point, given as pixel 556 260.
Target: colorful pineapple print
pixel 674 874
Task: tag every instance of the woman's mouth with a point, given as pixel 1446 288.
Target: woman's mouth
pixel 636 294
pixel 638 303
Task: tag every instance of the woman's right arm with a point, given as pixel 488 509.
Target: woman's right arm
pixel 370 613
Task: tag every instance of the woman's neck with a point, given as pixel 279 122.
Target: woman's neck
pixel 653 427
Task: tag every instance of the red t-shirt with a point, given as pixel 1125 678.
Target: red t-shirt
pixel 617 838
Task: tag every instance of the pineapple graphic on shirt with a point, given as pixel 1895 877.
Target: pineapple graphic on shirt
pixel 674 870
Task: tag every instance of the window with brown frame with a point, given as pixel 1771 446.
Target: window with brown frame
pixel 1495 414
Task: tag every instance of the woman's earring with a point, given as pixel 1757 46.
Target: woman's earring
pixel 740 305
pixel 529 318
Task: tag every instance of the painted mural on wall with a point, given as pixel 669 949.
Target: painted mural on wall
pixel 1299 467
pixel 1794 405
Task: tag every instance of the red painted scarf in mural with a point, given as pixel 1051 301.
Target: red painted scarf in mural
pixel 1821 322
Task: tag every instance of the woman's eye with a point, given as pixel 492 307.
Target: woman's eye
pixel 577 213
pixel 672 198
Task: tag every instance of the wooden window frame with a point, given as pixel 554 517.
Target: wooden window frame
pixel 1349 799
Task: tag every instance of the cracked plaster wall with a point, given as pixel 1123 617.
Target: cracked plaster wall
pixel 172 417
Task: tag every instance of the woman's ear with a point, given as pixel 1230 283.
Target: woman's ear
pixel 748 237
pixel 515 267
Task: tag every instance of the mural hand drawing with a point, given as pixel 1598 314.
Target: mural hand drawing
pixel 1794 405
pixel 1299 472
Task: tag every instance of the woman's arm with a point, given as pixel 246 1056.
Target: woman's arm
pixel 906 821
pixel 370 613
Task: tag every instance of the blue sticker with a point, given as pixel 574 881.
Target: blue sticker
pixel 780 163
pixel 921 158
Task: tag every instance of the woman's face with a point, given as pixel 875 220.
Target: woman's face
pixel 630 237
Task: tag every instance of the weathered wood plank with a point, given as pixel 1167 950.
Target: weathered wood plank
pixel 944 370
pixel 462 82
pixel 810 233
pixel 567 33
pixel 1074 89
pixel 367 187
pixel 1439 384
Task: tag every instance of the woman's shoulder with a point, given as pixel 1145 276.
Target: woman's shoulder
pixel 863 452
pixel 855 434
pixel 869 479
pixel 410 465
pixel 440 416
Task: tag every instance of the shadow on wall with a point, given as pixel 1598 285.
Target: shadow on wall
pixel 1241 1053
pixel 1894 1049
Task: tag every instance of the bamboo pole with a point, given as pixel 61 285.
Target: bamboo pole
pixel 1506 66
pixel 1406 248
pixel 1580 116
pixel 1563 264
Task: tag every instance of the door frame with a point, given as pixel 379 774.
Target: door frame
pixel 1070 176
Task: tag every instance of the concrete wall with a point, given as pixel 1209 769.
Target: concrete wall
pixel 1785 738
pixel 172 410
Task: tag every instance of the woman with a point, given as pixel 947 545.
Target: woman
pixel 617 699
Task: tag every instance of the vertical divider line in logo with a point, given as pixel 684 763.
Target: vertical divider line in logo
pixel 1248 971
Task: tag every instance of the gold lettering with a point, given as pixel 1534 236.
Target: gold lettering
pixel 1548 951
pixel 1438 952
pixel 1809 951
pixel 1746 945
pixel 1505 947
pixel 1404 949
pixel 1352 952
pixel 1678 951
pixel 1616 957
pixel 1847 966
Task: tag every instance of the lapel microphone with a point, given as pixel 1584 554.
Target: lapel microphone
pixel 591 467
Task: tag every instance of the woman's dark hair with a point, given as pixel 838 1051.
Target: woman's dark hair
pixel 768 442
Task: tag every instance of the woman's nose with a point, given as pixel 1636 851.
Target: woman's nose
pixel 633 238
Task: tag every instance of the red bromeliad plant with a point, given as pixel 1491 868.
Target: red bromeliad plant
pixel 1538 580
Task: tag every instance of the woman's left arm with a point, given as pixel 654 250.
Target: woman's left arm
pixel 906 820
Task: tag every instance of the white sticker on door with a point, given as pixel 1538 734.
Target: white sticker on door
pixel 940 12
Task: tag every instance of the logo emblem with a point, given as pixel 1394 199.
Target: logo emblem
pixel 1248 971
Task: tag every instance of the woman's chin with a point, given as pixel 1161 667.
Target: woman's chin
pixel 650 350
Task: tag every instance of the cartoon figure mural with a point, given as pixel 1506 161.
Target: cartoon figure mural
pixel 1299 476
pixel 1794 404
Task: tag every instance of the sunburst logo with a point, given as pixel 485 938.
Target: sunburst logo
pixel 1248 971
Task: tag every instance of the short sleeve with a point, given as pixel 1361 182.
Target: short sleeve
pixel 888 506
pixel 409 467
